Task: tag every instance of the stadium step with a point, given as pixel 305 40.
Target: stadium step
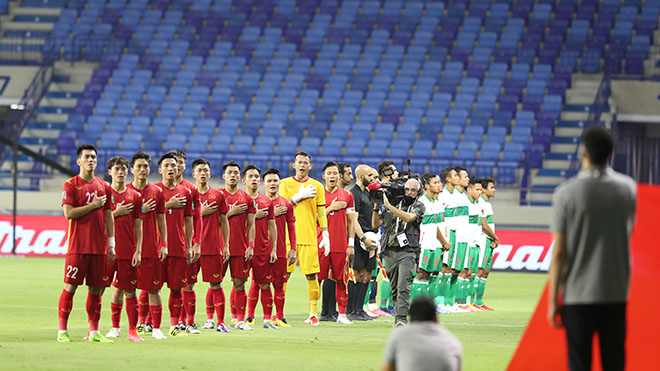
pixel 54 109
pixel 564 140
pixel 568 132
pixel 556 164
pixel 63 94
pixel 27 34
pixel 544 188
pixel 574 124
pixel 52 117
pixel 45 125
pixel 559 156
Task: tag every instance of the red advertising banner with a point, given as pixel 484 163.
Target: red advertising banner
pixel 47 236
pixel 35 235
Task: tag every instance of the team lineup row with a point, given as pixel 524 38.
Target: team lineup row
pixel 140 235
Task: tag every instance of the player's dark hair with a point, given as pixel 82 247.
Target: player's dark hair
pixel 384 165
pixel 445 173
pixel 459 169
pixel 165 157
pixel 426 178
pixel 341 166
pixel 200 161
pixel 251 167
pixel 486 181
pixel 116 160
pixel 272 171
pixel 474 181
pixel 231 164
pixel 422 309
pixel 140 155
pixel 179 153
pixel 302 153
pixel 330 164
pixel 599 144
pixel 85 147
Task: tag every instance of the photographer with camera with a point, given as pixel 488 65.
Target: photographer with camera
pixel 401 242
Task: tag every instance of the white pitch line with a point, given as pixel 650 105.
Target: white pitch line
pixel 291 317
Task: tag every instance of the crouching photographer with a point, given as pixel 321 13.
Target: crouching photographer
pixel 400 243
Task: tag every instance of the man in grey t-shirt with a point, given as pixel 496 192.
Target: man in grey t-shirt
pixel 423 345
pixel 593 216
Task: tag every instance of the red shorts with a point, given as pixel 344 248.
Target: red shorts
pixel 149 274
pixel 280 274
pixel 334 261
pixel 109 271
pixel 88 267
pixel 262 270
pixel 174 272
pixel 126 277
pixel 239 267
pixel 192 271
pixel 213 269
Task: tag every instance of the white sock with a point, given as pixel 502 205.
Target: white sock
pixel 92 333
pixel 60 332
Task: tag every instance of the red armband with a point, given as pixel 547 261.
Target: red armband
pixel 251 244
pixel 163 244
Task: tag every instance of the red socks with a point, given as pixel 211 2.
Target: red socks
pixel 93 311
pixel 174 304
pixel 189 303
pixel 64 308
pixel 232 303
pixel 210 310
pixel 182 315
pixel 342 296
pixel 132 312
pixel 279 299
pixel 252 299
pixel 219 304
pixel 241 301
pixel 267 303
pixel 116 314
pixel 144 306
pixel 156 312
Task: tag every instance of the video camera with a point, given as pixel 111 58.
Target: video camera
pixel 394 190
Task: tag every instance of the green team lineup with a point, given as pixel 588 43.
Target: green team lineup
pixel 138 236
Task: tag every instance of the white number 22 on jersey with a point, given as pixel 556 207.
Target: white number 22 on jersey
pixel 71 271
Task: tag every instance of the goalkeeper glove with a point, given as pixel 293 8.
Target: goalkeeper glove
pixel 325 243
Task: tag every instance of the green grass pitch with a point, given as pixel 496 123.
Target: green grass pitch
pixel 30 289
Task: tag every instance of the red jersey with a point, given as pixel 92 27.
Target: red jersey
pixel 124 232
pixel 337 219
pixel 238 235
pixel 262 244
pixel 176 237
pixel 212 239
pixel 150 233
pixel 197 210
pixel 281 223
pixel 87 234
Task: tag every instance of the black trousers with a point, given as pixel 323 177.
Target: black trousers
pixel 582 322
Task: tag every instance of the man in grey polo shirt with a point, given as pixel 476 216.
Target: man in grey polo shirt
pixel 423 345
pixel 593 216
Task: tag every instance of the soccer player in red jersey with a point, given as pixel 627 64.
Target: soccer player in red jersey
pixel 187 317
pixel 127 204
pixel 285 221
pixel 86 205
pixel 339 205
pixel 215 230
pixel 179 237
pixel 265 248
pixel 241 241
pixel 154 245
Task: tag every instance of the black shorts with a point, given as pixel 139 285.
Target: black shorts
pixel 362 259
